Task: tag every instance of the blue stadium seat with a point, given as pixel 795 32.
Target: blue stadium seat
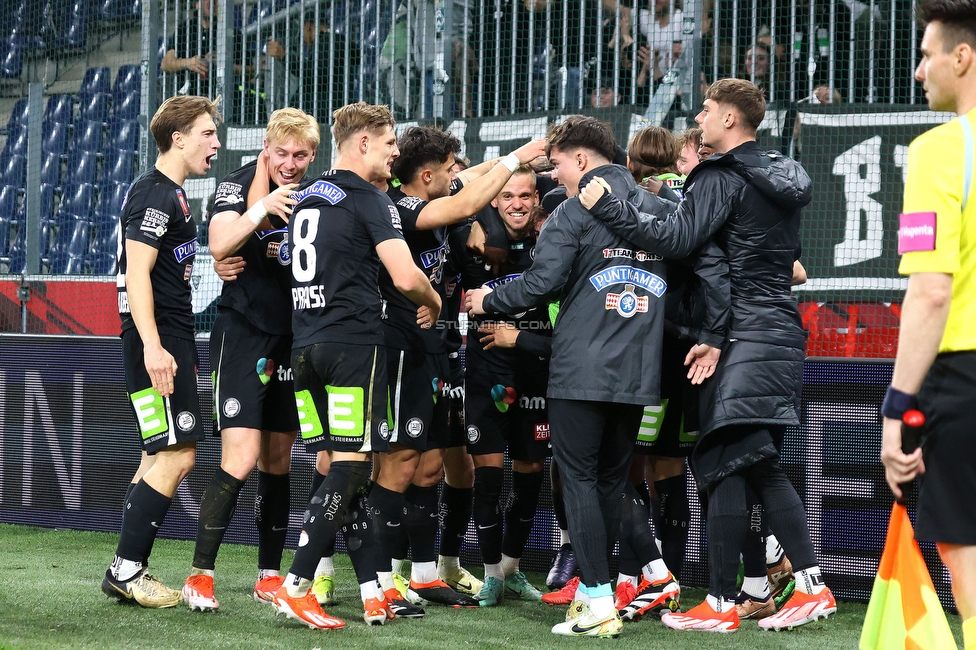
pixel 47 205
pixel 8 203
pixel 73 34
pixel 104 246
pixel 128 79
pixel 13 170
pixel 6 228
pixel 126 107
pixel 109 204
pixel 76 200
pixel 18 116
pixel 82 168
pixel 16 141
pixel 16 258
pixel 87 136
pixel 120 166
pixel 94 108
pixel 51 169
pixel 69 248
pixel 60 108
pixel 11 57
pixel 96 80
pixel 119 10
pixel 55 138
pixel 123 134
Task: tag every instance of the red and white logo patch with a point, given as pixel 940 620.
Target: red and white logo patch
pixel 916 232
pixel 183 203
pixel 541 431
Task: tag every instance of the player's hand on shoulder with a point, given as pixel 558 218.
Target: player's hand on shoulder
pixel 229 268
pixel 593 191
pixel 280 201
pixel 161 367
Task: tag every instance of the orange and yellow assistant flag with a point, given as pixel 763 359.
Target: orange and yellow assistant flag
pixel 904 612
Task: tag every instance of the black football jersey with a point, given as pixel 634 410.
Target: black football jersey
pixel 427 248
pixel 155 212
pixel 262 293
pixel 333 232
pixel 475 273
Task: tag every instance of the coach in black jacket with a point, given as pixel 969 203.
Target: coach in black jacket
pixel 606 353
pixel 749 202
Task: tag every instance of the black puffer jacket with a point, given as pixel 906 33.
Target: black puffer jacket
pixel 749 202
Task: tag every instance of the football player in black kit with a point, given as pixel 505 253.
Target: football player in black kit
pixel 157 246
pixel 341 230
pixel 505 404
pixel 429 196
pixel 250 354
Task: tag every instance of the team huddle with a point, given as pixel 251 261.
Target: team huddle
pixel 595 332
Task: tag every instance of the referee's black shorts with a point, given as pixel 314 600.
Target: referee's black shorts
pixel 945 499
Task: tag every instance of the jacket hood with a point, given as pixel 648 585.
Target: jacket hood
pixel 780 179
pixel 620 179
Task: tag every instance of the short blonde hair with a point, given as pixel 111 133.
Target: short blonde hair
pixel 293 125
pixel 353 118
pixel 177 114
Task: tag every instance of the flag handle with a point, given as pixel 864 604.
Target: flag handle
pixel 912 423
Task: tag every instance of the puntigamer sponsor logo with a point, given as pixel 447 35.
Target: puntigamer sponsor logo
pixel 185 251
pixel 323 189
pixel 629 275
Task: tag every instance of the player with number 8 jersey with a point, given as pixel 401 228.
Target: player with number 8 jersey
pixel 342 229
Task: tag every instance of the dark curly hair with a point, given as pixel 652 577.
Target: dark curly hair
pixel 422 147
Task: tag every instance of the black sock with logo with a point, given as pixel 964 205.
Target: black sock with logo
pixel 487 512
pixel 216 510
pixel 144 513
pixel 454 515
pixel 520 512
pixel 272 503
pixel 421 522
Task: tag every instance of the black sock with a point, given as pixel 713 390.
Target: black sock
pixel 325 513
pixel 520 513
pixel 125 505
pixel 635 533
pixel 144 513
pixel 673 524
pixel 317 480
pixel 558 505
pixel 271 506
pixel 128 493
pixel 454 515
pixel 359 532
pixel 216 509
pixel 487 512
pixel 387 510
pixel 421 522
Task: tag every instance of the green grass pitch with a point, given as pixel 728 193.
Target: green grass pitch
pixel 51 599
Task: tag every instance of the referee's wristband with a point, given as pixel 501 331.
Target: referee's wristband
pixel 511 162
pixel 896 403
pixel 256 213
